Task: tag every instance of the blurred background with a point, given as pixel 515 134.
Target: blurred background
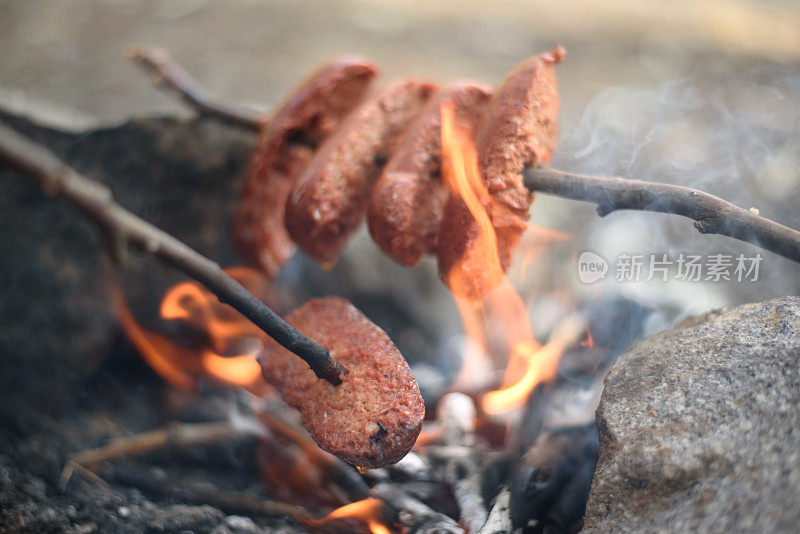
pixel 705 94
pixel 253 51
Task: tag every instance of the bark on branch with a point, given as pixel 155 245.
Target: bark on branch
pixel 122 227
pixel 711 214
pixel 176 78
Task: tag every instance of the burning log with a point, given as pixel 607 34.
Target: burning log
pixel 499 520
pixel 551 479
pixel 122 227
pixel 413 514
pixel 461 470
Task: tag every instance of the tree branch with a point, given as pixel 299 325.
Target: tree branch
pixel 122 227
pixel 711 214
pixel 176 78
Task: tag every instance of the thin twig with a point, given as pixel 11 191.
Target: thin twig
pixel 174 435
pixel 711 214
pixel 55 178
pixel 176 78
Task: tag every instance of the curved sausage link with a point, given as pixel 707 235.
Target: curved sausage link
pixel 310 113
pixel 518 129
pixel 408 200
pixel 374 416
pixel 330 198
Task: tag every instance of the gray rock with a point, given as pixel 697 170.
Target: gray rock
pixel 700 427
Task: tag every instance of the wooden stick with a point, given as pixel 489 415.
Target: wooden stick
pixel 176 78
pixel 711 214
pixel 121 227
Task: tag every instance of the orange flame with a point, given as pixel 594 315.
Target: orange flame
pixel 502 310
pixel 460 173
pixel 368 510
pixel 589 341
pixel 224 356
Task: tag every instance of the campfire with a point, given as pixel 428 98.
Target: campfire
pixel 342 432
pixel 481 408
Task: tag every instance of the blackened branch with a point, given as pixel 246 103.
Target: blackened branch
pixel 711 214
pixel 122 227
pixel 176 78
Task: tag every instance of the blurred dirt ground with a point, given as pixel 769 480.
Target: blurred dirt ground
pixel 71 53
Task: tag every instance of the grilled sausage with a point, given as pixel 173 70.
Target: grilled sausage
pixel 329 200
pixel 310 113
pixel 374 416
pixel 408 200
pixel 518 129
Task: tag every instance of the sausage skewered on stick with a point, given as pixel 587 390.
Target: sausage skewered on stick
pixel 122 227
pixel 286 145
pixel 711 214
pixel 331 195
pixel 408 200
pixel 374 417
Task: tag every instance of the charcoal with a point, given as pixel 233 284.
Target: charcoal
pixel 566 515
pixel 546 474
pixel 496 468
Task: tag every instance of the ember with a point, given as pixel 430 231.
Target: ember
pixel 368 511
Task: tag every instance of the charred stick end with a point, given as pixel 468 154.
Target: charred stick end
pixel 330 369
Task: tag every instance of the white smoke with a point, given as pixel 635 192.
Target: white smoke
pixel 733 135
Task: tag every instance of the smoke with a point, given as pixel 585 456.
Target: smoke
pixel 733 135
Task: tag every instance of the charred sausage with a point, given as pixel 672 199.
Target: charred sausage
pixel 518 129
pixel 374 416
pixel 330 198
pixel 285 146
pixel 408 200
